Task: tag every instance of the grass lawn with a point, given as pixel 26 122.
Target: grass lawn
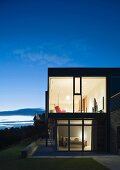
pixel 10 160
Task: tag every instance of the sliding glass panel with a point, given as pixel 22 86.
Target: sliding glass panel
pixel 77 85
pixel 87 137
pixel 60 94
pixel 77 103
pixel 62 138
pixel 76 138
pixel 94 94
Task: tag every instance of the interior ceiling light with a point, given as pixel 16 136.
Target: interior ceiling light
pixel 67 97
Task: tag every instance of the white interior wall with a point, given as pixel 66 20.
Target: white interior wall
pixel 98 92
pixel 61 93
pixel 61 88
pixel 87 135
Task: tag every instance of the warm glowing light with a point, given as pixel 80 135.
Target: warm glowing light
pixel 80 136
pixel 84 136
pixel 67 97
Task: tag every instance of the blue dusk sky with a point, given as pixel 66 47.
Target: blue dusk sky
pixel 37 34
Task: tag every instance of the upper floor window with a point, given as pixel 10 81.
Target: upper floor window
pixel 77 85
pixel 94 94
pixel 77 94
pixel 60 94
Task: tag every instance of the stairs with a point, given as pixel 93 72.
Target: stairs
pixel 51 142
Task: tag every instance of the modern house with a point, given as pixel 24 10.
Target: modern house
pixel 78 108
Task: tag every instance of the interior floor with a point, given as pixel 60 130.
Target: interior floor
pixel 86 148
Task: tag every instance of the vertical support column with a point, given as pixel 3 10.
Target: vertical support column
pixel 56 128
pixel 73 92
pixel 46 133
pixel 82 134
pixel 108 87
pixel 46 116
pixel 81 91
pixel 68 135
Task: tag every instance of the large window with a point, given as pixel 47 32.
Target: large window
pixel 77 94
pixel 93 94
pixel 60 94
pixel 74 135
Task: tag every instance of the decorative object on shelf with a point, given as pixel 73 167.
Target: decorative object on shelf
pixel 101 111
pixel 95 105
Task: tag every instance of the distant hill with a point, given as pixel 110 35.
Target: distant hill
pixel 27 111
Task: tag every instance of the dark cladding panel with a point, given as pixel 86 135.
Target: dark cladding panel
pixel 115 85
pixel 115 103
pixel 83 72
pixel 101 135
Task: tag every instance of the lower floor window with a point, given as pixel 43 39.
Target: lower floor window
pixel 74 137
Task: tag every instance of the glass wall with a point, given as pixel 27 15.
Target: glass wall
pixel 77 94
pixel 94 94
pixel 77 103
pixel 76 138
pixel 60 94
pixel 77 85
pixel 87 138
pixel 76 122
pixel 62 138
pixel 74 135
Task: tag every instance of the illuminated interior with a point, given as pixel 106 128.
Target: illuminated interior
pixel 74 95
pixel 62 138
pixel 93 94
pixel 61 94
pixel 74 141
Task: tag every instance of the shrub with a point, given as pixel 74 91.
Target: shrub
pixel 15 135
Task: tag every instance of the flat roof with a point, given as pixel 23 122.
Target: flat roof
pixel 88 71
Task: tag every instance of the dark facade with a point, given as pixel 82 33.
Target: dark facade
pixel 115 124
pixel 78 108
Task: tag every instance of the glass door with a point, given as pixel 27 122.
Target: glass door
pixel 62 138
pixel 75 138
pixel 87 138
